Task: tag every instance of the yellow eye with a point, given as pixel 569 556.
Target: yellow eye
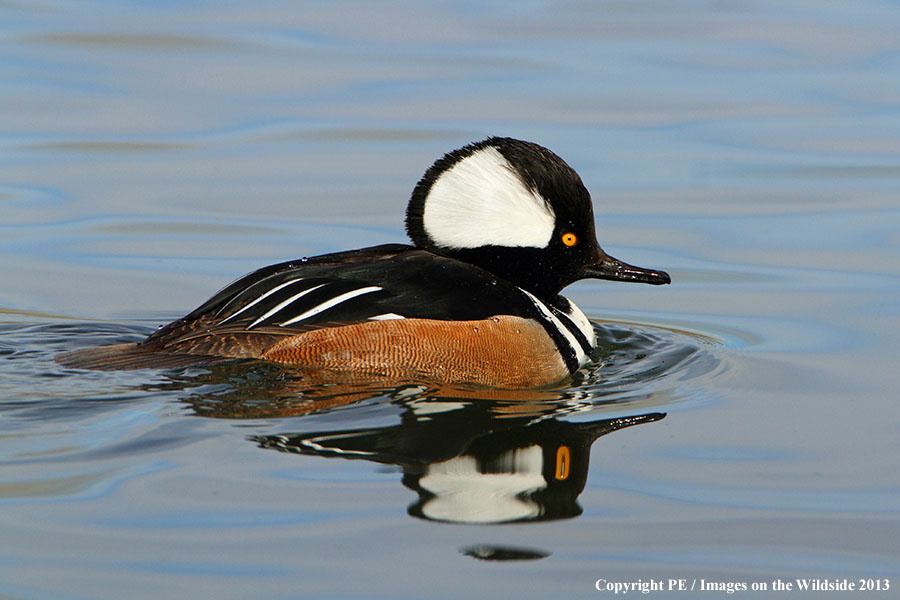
pixel 569 239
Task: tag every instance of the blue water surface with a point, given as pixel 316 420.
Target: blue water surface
pixel 739 425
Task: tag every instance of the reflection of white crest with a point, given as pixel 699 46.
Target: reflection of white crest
pixel 463 493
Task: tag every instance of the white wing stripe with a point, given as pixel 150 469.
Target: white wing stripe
pixel 283 304
pixel 386 317
pixel 333 302
pixel 263 297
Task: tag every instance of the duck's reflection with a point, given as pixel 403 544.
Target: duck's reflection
pixel 472 470
pixel 470 463
pixel 471 455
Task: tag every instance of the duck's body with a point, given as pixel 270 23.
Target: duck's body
pixel 499 227
pixel 391 310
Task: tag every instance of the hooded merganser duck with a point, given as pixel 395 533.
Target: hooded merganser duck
pixel 499 228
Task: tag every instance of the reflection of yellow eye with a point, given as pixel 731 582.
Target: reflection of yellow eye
pixel 563 462
pixel 569 239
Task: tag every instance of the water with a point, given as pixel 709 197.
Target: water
pixel 736 426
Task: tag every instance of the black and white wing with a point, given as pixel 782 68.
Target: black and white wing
pixel 382 282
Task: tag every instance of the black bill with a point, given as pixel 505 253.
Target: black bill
pixel 614 269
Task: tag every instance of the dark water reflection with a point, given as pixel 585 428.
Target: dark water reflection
pixel 491 552
pixel 469 464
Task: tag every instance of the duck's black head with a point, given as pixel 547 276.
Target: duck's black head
pixel 517 210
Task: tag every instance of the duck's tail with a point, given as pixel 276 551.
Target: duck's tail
pixel 129 356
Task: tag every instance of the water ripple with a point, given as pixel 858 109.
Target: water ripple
pixel 633 364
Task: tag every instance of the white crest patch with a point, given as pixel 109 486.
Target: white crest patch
pixel 481 201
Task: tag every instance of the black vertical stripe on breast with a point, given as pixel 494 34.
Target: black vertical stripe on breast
pixel 543 315
pixel 573 329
